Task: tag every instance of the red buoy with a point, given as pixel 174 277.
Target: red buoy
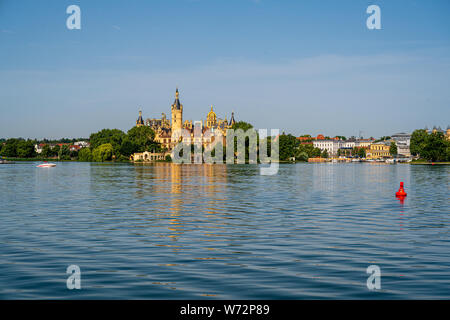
pixel 401 192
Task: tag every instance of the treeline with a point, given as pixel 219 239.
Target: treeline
pixel 430 146
pixel 63 140
pixel 17 148
pixel 290 147
pixel 25 149
pixel 114 144
pixel 105 145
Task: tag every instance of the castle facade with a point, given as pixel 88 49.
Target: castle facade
pixel 169 132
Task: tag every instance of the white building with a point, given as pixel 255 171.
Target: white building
pixel 332 146
pixel 402 140
pixel 38 148
pixel 348 144
pixel 82 144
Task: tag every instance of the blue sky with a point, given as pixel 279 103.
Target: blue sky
pixel 300 66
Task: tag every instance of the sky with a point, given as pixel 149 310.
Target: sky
pixel 303 66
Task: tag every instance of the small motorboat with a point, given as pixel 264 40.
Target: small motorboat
pixel 46 165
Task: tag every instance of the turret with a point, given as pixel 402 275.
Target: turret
pixel 140 120
pixel 177 113
pixel 232 121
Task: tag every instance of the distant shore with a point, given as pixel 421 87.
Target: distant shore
pixel 416 162
pixel 429 163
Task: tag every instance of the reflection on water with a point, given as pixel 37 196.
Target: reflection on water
pixel 224 231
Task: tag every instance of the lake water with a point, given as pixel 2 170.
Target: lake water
pixel 167 231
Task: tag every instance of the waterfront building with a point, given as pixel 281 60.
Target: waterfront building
pixel 168 133
pixel 332 146
pixel 148 156
pixel 379 150
pixel 402 141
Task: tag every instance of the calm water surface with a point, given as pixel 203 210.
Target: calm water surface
pixel 198 231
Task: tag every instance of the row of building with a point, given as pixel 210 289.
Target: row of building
pixel 374 149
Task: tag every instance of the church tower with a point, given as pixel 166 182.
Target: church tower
pixel 177 113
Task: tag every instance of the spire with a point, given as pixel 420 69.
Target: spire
pixel 176 103
pixel 140 120
pixel 212 108
pixel 232 121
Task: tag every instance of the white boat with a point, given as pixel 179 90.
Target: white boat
pixel 46 165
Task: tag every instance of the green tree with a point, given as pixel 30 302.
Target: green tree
pixel 112 136
pixel 362 152
pixel 46 151
pixel 128 147
pixel 418 141
pixel 302 156
pixel 64 153
pixel 25 149
pixel 288 145
pixel 56 150
pixel 242 125
pixel 143 138
pixel 85 154
pixel 435 147
pixel 393 150
pixel 103 152
pixel 10 148
pixel 73 154
pixel 325 154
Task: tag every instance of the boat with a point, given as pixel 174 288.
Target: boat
pixel 46 165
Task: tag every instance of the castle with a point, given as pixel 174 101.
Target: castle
pixel 168 133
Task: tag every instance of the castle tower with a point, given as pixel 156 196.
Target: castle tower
pixel 211 119
pixel 140 120
pixel 177 113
